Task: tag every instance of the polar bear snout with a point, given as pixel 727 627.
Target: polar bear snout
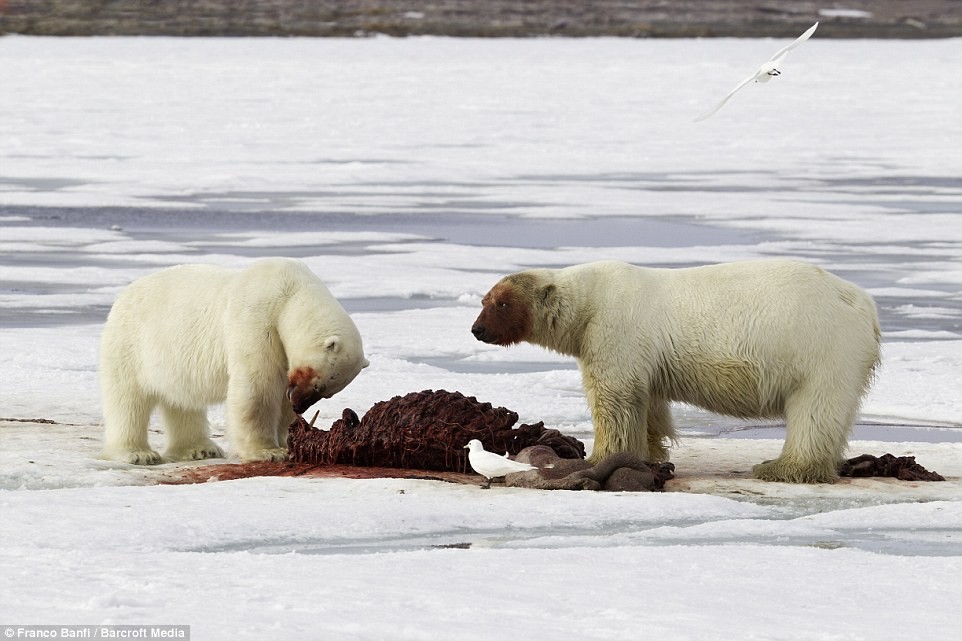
pixel 301 400
pixel 489 334
pixel 504 319
pixel 483 334
pixel 304 388
pixel 497 332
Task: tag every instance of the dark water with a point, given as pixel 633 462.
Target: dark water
pixel 477 229
pixel 891 432
pixel 207 230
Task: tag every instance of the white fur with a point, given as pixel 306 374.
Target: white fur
pixel 772 338
pixel 191 336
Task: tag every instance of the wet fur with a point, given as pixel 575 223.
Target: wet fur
pixel 758 339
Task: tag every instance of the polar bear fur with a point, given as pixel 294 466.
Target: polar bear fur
pixel 191 336
pixel 755 339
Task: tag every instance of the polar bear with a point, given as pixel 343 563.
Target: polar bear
pixel 753 339
pixel 191 336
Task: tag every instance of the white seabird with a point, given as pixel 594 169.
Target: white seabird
pixel 765 73
pixel 491 465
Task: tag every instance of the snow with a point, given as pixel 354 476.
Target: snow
pixel 410 174
pixel 844 13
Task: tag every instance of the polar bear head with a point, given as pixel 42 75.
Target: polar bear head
pixel 546 307
pixel 321 343
pixel 505 316
pixel 520 307
pixel 325 371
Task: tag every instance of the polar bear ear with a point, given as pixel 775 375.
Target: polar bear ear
pixel 365 363
pixel 332 344
pixel 547 294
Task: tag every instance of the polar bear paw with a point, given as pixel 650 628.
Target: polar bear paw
pixel 792 472
pixel 138 457
pixel 196 452
pixel 276 454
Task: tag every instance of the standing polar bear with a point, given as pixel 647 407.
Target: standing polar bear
pixel 755 339
pixel 190 336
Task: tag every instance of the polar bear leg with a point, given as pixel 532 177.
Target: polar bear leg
pixel 661 428
pixel 126 417
pixel 620 422
pixel 818 419
pixel 252 423
pixel 283 425
pixel 188 434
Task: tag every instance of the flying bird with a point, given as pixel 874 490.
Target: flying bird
pixel 491 465
pixel 765 73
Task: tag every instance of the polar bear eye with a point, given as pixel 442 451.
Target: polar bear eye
pixel 502 305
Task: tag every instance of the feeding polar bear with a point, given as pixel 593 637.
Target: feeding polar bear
pixel 269 340
pixel 754 339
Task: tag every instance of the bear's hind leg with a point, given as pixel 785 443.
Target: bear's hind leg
pixel 818 422
pixel 126 418
pixel 188 434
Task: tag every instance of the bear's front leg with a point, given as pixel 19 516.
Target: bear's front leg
pixel 252 422
pixel 661 429
pixel 619 414
pixel 284 424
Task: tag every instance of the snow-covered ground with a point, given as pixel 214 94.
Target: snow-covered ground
pixel 410 174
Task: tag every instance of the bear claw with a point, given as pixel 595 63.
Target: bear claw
pixel 196 453
pixel 275 454
pixel 141 457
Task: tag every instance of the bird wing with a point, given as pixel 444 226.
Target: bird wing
pixel 491 465
pixel 799 40
pixel 727 98
pixel 522 467
pixel 776 58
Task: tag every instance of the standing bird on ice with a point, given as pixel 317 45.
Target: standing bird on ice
pixel 491 465
pixel 765 73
